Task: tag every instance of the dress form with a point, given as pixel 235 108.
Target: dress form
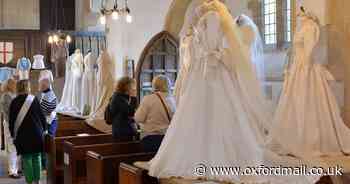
pixel 66 102
pixel 77 71
pixel 215 104
pixel 308 107
pixel 38 63
pixel 105 89
pixel 88 85
pixel 23 68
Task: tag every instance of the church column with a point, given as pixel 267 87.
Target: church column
pixel 346 59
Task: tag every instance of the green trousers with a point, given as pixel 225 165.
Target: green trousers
pixel 32 167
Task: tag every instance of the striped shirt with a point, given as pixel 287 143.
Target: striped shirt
pixel 48 104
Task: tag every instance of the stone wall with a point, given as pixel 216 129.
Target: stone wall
pixel 19 14
pixel 339 44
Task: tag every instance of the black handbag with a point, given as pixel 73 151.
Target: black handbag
pixel 108 115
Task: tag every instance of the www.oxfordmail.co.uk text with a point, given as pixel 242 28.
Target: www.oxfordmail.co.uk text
pixel 303 170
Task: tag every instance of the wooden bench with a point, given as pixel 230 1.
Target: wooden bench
pixel 75 155
pixel 130 174
pixel 54 146
pixel 101 164
pixel 63 117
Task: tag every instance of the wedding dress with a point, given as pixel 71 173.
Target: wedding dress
pixel 308 121
pixel 213 104
pixel 88 95
pixel 105 84
pixel 77 70
pixel 66 104
pixel 38 63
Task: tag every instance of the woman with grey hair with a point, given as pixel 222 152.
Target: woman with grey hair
pixel 155 112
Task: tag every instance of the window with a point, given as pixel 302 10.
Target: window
pixel 270 32
pixel 6 52
pixel 288 20
pixel 277 21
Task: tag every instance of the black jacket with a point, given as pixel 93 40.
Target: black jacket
pixel 30 134
pixel 122 108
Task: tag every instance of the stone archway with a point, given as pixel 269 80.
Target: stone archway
pixel 175 16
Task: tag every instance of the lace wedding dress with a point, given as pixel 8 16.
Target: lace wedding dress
pixel 215 124
pixel 308 121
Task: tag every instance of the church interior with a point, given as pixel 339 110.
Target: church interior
pixel 174 91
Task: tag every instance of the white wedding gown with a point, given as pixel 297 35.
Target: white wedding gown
pixel 66 104
pixel 77 71
pixel 88 93
pixel 213 124
pixel 308 121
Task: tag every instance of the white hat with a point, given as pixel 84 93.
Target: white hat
pixel 46 74
pixel 38 63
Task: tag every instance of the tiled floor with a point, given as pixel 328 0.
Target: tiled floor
pixel 4 179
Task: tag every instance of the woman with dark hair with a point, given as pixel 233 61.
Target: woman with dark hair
pixel 27 125
pixel 121 109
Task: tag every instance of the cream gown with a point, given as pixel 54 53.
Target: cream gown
pixel 307 121
pixel 105 84
pixel 88 93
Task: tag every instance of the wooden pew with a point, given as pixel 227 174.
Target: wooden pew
pixel 131 174
pixel 62 117
pixel 101 164
pixel 54 146
pixel 75 155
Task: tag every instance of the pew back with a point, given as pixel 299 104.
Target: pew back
pixel 101 165
pixel 130 174
pixel 54 146
pixel 75 157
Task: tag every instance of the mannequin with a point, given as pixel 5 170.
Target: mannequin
pixel 77 71
pixel 23 68
pixel 66 104
pixel 88 95
pixel 38 63
pixel 308 107
pixel 59 52
pixel 221 102
pixel 105 89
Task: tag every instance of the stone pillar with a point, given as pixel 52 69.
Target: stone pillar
pixel 346 55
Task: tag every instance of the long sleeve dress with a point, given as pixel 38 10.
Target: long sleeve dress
pixel 307 122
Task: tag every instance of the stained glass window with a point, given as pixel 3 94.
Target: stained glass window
pixel 6 52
